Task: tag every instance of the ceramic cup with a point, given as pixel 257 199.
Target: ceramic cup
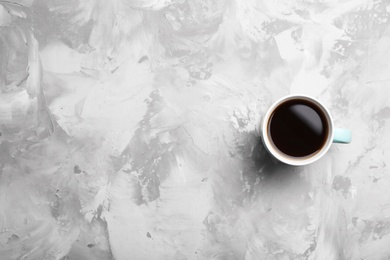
pixel 332 135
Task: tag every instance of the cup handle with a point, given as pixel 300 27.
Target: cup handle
pixel 341 135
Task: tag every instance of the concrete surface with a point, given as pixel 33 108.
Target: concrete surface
pixel 128 129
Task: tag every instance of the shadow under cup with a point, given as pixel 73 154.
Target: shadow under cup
pixel 297 130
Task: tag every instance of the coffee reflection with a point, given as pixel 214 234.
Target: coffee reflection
pixel 298 128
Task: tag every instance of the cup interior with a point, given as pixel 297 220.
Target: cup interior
pixel 288 159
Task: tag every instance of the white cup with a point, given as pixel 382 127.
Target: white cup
pixel 334 135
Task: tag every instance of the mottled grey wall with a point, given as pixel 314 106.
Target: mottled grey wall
pixel 128 129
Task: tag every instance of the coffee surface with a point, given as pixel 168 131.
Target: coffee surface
pixel 298 128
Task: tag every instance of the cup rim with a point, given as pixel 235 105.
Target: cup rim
pixel 296 161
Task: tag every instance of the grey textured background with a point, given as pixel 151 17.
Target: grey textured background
pixel 128 129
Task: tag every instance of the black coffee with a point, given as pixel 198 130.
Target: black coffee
pixel 298 128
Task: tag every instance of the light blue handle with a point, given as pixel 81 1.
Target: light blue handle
pixel 341 135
